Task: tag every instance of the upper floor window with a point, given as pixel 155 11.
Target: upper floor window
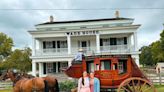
pixel 63 44
pixel 48 44
pixel 113 41
pixel 54 44
pixel 104 42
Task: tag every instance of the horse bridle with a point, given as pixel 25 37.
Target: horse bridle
pixel 17 78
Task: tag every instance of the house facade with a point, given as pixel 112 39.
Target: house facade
pixel 55 43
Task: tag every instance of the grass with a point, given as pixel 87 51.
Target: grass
pixel 158 88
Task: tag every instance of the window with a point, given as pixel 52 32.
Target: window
pixel 120 41
pixel 104 42
pixel 62 65
pixel 122 66
pixel 113 41
pixel 49 44
pixel 105 65
pixel 90 66
pixel 63 44
pixel 83 44
pixel 49 67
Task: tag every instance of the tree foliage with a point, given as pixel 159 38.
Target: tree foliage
pixel 146 56
pixel 153 53
pixel 6 44
pixel 162 40
pixel 19 59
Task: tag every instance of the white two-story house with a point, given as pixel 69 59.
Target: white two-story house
pixel 55 43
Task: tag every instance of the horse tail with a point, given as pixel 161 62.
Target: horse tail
pixel 57 86
pixel 46 89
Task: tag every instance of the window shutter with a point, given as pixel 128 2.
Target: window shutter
pixel 101 42
pixel 125 40
pixel 44 68
pixel 54 44
pixel 58 66
pixel 58 44
pixel 54 67
pixel 44 44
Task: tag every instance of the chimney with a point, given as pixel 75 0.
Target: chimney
pixel 117 14
pixel 51 19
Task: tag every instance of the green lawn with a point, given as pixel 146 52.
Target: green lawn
pixel 158 88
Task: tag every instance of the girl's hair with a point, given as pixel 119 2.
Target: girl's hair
pixel 83 80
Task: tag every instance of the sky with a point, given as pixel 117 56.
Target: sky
pixel 17 17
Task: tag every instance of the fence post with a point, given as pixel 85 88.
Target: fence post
pixel 160 79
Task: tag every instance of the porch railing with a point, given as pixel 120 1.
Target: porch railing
pixel 87 50
pixel 52 51
pixel 116 48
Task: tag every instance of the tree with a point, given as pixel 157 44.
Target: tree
pixel 162 40
pixel 6 44
pixel 19 59
pixel 157 52
pixel 146 56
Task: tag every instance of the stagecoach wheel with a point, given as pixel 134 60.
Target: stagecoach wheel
pixel 136 84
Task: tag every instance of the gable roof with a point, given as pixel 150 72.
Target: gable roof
pixel 89 20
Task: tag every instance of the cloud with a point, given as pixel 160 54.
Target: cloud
pixel 17 23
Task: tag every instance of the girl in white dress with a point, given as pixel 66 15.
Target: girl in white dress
pixel 83 83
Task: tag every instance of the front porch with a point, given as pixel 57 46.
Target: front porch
pixel 42 69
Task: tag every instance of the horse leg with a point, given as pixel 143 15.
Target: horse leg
pixel 46 89
pixel 16 89
pixel 56 86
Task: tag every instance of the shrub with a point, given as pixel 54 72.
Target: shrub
pixel 67 85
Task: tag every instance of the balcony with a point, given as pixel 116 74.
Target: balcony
pixel 116 49
pixel 87 50
pixel 52 51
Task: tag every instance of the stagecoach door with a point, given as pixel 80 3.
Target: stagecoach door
pixel 108 71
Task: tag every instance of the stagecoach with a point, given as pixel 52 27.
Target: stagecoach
pixel 115 72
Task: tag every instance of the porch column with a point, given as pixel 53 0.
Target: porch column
pixel 33 46
pixel 98 43
pixel 130 43
pixel 40 69
pixel 33 68
pixel 57 67
pixel 135 41
pixel 69 44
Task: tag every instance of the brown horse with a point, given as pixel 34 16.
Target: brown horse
pixel 22 84
pixel 51 81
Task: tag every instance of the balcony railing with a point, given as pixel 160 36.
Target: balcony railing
pixel 87 50
pixel 116 48
pixel 52 51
